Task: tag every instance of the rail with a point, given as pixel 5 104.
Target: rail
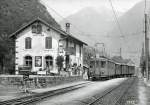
pixel 38 97
pixel 109 91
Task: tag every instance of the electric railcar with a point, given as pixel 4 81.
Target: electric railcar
pixel 104 68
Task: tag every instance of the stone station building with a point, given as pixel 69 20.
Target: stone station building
pixel 37 45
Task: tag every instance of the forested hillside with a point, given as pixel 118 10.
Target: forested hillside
pixel 16 13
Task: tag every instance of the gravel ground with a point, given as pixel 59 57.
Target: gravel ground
pixel 131 95
pixel 10 92
pixel 138 94
pixel 148 93
pixel 84 95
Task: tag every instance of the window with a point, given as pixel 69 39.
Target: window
pixel 48 42
pixel 28 43
pixel 33 28
pixel 49 61
pixel 28 61
pixel 80 50
pixel 74 49
pixel 103 63
pixel 39 28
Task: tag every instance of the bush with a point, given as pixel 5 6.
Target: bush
pixel 59 62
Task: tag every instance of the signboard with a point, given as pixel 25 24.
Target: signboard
pixel 38 61
pixel 24 70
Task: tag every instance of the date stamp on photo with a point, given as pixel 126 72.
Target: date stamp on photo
pixel 131 102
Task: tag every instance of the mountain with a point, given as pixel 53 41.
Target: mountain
pixel 132 26
pixel 101 27
pixel 90 24
pixel 16 13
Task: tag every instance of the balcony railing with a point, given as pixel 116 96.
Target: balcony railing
pixel 70 51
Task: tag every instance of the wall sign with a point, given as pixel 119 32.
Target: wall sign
pixel 38 61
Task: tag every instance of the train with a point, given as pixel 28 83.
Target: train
pixel 105 68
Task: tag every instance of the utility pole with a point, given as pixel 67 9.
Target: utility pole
pixel 146 48
pixel 120 52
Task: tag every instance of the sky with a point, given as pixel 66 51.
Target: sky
pixel 68 7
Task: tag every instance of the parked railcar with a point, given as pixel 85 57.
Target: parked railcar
pixel 131 70
pixel 117 70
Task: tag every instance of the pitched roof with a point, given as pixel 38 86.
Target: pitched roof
pixel 48 25
pixel 119 59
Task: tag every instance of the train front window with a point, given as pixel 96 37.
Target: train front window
pixel 103 63
pixel 92 64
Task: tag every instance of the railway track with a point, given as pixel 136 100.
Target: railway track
pixel 110 96
pixel 38 97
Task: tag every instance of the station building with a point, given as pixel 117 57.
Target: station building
pixel 37 45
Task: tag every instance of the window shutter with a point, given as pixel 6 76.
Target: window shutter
pixel 80 48
pixel 33 28
pixel 39 28
pixel 28 43
pixel 48 43
pixel 74 48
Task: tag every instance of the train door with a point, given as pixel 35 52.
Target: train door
pixel 114 69
pixel 91 69
pixel 97 69
pixel 108 67
pixel 103 67
pixel 121 70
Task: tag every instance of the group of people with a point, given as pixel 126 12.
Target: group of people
pixel 75 70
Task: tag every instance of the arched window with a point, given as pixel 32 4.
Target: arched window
pixel 28 61
pixel 28 43
pixel 49 61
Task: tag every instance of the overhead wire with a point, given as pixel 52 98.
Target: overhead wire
pixel 122 36
pixel 75 27
pixel 83 33
pixel 116 19
pixel 145 6
pixel 117 22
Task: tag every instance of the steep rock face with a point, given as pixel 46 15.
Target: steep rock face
pixel 16 13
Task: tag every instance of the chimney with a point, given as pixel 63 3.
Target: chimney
pixel 68 28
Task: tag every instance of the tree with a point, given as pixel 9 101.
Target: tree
pixel 59 62
pixel 6 54
pixel 88 54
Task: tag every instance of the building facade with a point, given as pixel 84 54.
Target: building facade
pixel 38 44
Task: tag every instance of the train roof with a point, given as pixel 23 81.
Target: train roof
pixel 121 62
pixel 102 59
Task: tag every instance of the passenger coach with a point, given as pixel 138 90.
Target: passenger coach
pixel 105 68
